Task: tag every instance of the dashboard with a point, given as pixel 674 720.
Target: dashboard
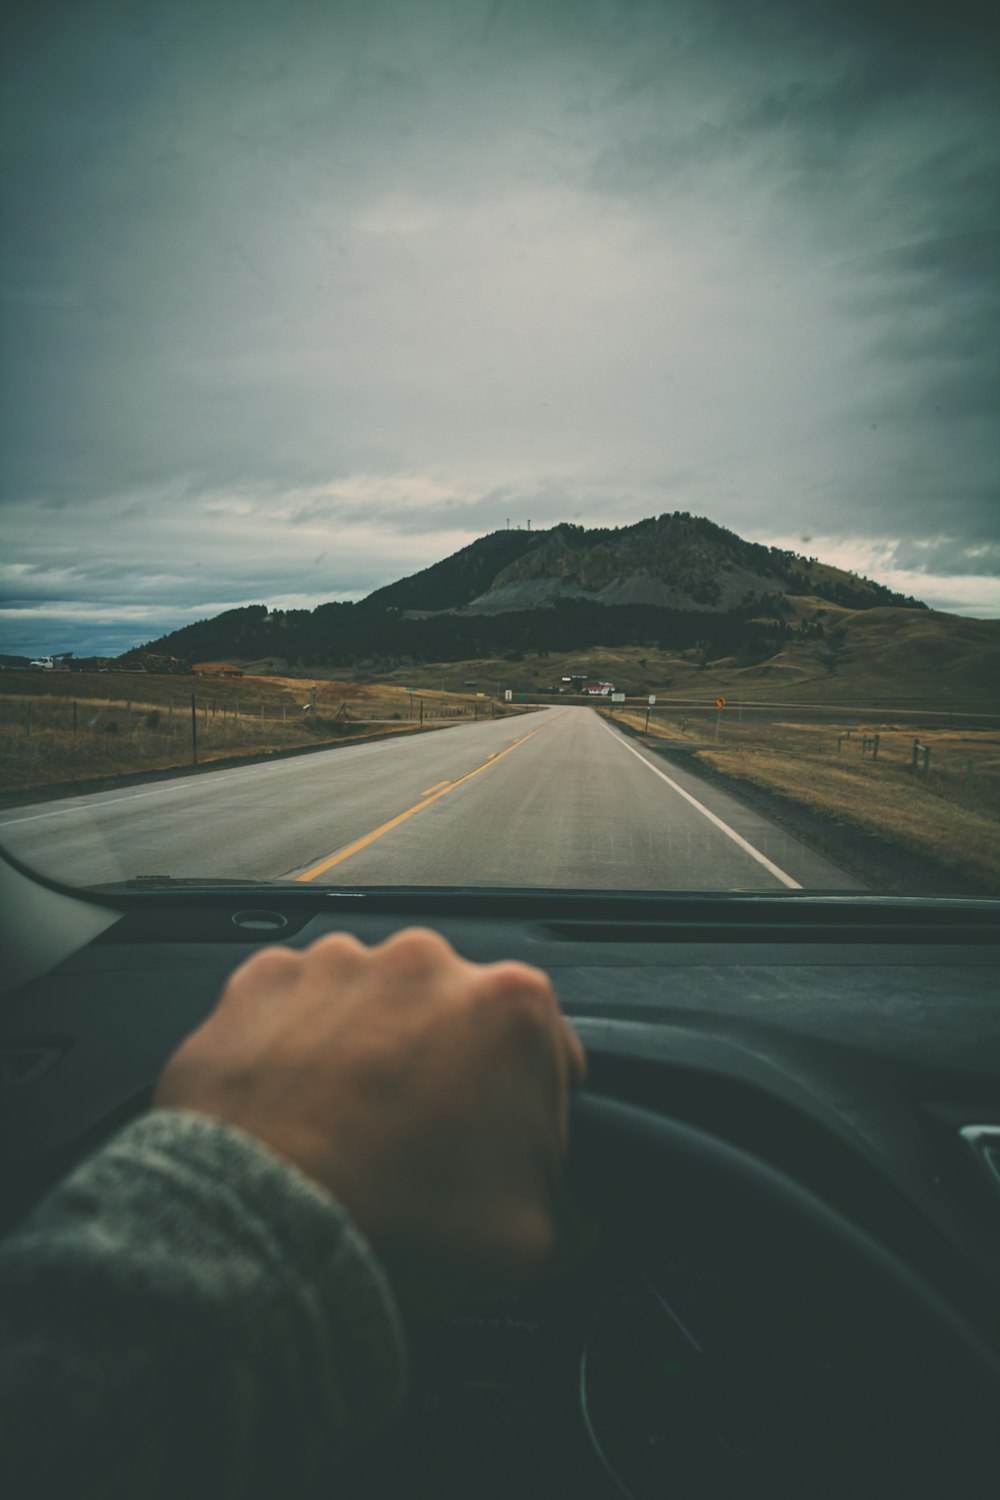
pixel 781 1271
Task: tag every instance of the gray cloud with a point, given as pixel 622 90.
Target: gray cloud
pixel 948 556
pixel 379 276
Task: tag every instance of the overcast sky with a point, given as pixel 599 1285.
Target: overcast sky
pixel 299 297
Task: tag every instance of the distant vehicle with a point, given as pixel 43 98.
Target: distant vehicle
pixel 602 690
pixel 43 664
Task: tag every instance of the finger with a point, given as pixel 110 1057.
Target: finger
pixel 337 950
pixel 418 953
pixel 575 1055
pixel 266 972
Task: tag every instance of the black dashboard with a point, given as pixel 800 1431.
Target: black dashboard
pixel 783 1263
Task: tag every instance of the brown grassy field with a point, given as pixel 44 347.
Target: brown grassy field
pixel 58 728
pixel 948 812
pixel 897 658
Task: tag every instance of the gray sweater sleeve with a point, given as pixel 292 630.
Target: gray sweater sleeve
pixel 187 1314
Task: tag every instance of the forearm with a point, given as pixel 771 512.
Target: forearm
pixel 188 1314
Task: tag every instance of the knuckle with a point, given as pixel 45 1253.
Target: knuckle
pixel 524 994
pixel 520 982
pixel 268 966
pixel 337 947
pixel 418 947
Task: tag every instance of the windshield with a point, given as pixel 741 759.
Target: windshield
pixel 502 445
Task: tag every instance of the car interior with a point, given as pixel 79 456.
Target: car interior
pixel 781 1265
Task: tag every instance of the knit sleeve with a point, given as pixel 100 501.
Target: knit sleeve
pixel 189 1314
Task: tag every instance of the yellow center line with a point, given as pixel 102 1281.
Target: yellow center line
pixel 376 833
pixel 435 788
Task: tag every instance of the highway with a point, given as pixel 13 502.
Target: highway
pixel 553 799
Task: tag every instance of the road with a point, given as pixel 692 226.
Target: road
pixel 555 799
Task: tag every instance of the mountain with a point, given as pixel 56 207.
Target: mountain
pixel 459 579
pixel 677 561
pixel 675 580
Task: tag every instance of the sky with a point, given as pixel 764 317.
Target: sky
pixel 299 296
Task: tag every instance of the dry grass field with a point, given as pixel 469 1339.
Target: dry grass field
pixel 942 801
pixel 898 658
pixel 58 728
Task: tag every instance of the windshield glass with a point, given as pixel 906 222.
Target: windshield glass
pixel 502 445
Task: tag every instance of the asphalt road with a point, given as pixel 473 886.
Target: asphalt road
pixel 555 799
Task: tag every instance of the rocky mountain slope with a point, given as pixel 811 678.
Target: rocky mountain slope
pixel 674 561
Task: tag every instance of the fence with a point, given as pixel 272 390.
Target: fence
pixel 58 737
pixel 961 765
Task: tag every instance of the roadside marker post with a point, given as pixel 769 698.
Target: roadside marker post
pixel 720 704
pixel 194 731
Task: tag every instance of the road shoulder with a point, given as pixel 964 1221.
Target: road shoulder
pixel 875 862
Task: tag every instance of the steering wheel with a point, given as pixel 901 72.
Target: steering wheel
pixel 818 1363
pixel 730 1333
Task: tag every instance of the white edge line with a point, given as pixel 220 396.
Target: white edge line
pixel 730 833
pixel 88 807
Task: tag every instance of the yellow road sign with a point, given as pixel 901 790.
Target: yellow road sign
pixel 720 702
